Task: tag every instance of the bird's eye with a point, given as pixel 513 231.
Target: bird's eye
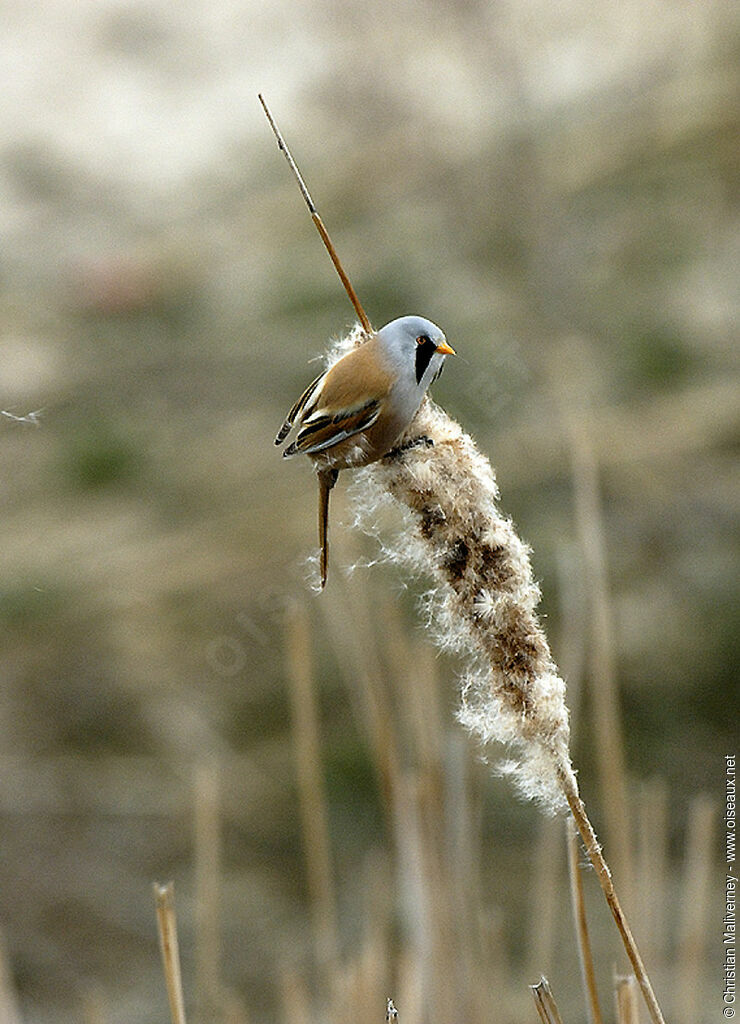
pixel 422 339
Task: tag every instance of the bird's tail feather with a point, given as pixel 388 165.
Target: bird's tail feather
pixel 327 479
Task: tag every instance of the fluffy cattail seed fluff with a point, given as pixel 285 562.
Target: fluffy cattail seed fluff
pixel 483 597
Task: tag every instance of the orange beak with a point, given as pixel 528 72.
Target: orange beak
pixel 445 349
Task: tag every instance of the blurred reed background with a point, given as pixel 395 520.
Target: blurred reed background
pixel 555 186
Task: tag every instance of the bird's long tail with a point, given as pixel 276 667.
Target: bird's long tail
pixel 327 479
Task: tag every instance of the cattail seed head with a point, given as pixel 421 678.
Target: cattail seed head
pixel 483 598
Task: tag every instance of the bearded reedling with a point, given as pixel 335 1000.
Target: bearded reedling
pixel 355 412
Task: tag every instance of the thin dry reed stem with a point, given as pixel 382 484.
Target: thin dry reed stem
pixel 409 985
pixel 543 892
pixel 604 690
pixel 545 1002
pixel 625 998
pixel 164 896
pixel 234 1010
pixel 360 983
pixel 357 650
pixel 653 870
pixel 312 797
pixel 462 842
pixel 9 1010
pixel 294 998
pixel 694 912
pixel 585 954
pixel 419 705
pixel 362 979
pixel 207 880
pixel 414 893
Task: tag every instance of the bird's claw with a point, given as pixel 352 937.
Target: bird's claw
pixel 401 449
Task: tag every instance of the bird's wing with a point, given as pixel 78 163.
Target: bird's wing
pixel 304 404
pixel 322 430
pixel 343 401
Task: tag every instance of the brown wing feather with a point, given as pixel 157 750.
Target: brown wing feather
pixel 321 432
pixel 298 408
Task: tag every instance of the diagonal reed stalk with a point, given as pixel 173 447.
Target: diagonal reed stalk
pixel 593 849
pixel 483 604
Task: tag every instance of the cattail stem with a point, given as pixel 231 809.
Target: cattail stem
pixel 593 849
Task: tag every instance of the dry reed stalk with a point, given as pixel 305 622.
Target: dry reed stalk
pixel 543 890
pixel 545 1002
pixel 357 651
pixel 483 602
pixel 449 991
pixel 652 866
pixel 585 955
pixel 409 985
pixel 164 896
pixel 462 832
pixel 207 837
pixel 694 912
pixel 415 910
pixel 593 849
pixel 493 967
pixel 433 931
pixel 625 998
pixel 9 1010
pixel 604 689
pixel 234 1011
pixel 360 983
pixel 418 703
pixel 294 998
pixel 312 797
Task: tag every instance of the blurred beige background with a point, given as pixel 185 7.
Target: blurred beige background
pixel 555 185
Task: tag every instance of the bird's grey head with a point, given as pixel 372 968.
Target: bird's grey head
pixel 416 346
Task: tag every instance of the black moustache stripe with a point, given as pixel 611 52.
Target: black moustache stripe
pixel 424 353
